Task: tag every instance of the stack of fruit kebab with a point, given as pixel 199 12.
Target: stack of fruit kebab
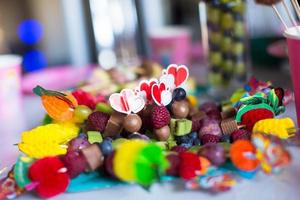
pixel 227 41
pixel 143 135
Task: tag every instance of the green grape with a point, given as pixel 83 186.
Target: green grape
pixel 226 44
pixel 227 65
pixel 227 21
pixel 215 37
pixel 240 68
pixel 215 78
pixel 81 113
pixel 215 58
pixel 104 107
pixel 214 15
pixel 117 142
pixel 239 29
pixel 238 48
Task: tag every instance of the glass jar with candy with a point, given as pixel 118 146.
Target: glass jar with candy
pixel 227 41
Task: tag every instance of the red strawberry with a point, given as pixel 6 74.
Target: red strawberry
pixel 255 115
pixel 209 138
pixel 160 117
pixel 85 98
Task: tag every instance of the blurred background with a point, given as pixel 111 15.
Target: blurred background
pixel 222 43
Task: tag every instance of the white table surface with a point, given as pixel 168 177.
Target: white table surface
pixel 16 118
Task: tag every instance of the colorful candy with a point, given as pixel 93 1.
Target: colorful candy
pixel 282 128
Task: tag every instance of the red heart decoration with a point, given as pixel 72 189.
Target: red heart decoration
pixel 156 92
pixel 147 86
pixel 126 101
pixel 180 74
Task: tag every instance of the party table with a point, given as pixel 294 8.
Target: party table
pixel 28 112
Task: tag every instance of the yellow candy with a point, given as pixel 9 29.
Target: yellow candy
pixel 192 100
pixel 278 127
pixel 47 140
pixel 124 159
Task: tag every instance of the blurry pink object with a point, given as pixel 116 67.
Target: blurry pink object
pixel 278 49
pixel 10 72
pixel 170 45
pixel 293 41
pixel 56 78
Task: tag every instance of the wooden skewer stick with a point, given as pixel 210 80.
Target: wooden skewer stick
pixel 296 7
pixel 279 16
pixel 289 14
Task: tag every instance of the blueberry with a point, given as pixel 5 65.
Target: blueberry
pixel 182 139
pixel 197 141
pixel 225 138
pixel 193 135
pixel 187 145
pixel 106 147
pixel 179 94
pixel 82 135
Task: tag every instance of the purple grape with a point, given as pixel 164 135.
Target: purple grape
pixel 174 161
pixel 215 153
pixel 78 143
pixel 210 126
pixel 209 106
pixel 138 136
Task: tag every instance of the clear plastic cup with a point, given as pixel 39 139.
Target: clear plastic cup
pixel 293 40
pixel 10 78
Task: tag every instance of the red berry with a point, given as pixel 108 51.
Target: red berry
pixel 209 138
pixel 160 117
pixel 84 98
pixel 97 121
pixel 240 135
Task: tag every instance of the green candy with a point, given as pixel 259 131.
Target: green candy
pixel 180 127
pixel 21 171
pixel 94 136
pixel 150 165
pixel 103 107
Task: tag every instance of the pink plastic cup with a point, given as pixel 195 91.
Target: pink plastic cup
pixel 293 40
pixel 170 45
